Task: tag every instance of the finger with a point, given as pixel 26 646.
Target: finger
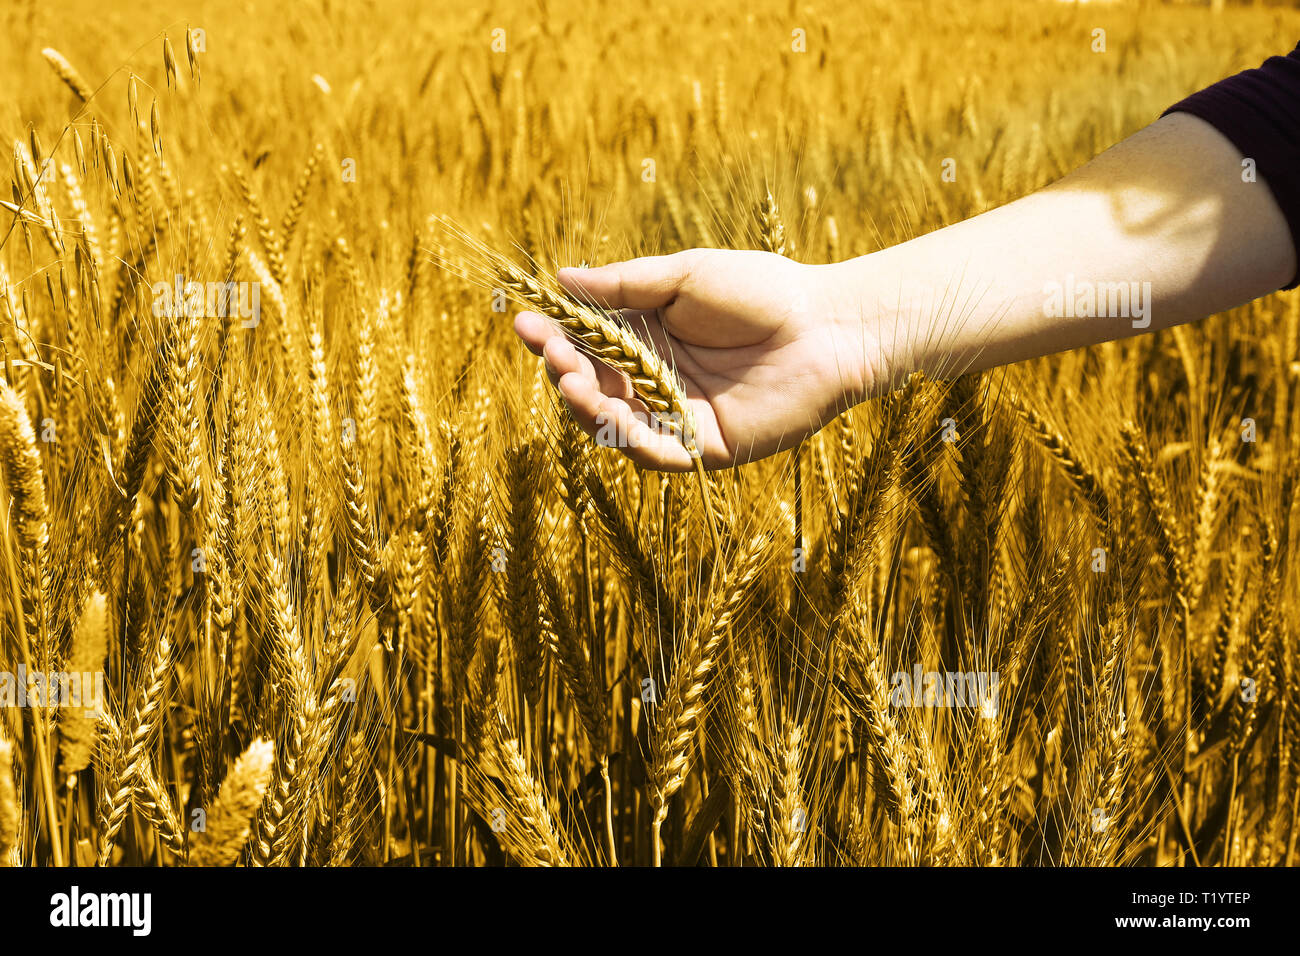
pixel 645 283
pixel 562 356
pixel 650 447
pixel 535 330
pixel 583 398
pixel 612 423
pixel 538 333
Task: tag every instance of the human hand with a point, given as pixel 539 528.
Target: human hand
pixel 768 349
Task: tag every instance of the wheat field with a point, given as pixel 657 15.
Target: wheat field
pixel 354 589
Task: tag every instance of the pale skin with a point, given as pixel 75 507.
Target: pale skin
pixel 770 350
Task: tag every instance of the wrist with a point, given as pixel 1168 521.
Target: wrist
pixel 854 307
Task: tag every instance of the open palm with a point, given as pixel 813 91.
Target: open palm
pixel 764 348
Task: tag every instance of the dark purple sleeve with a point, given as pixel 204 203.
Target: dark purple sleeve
pixel 1259 111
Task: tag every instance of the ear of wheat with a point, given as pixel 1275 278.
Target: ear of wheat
pixel 607 339
pixel 227 823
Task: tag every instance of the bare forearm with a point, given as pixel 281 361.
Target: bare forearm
pixel 1158 230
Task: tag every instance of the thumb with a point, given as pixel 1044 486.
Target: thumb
pixel 646 283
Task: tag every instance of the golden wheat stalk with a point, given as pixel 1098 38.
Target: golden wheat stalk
pixel 676 719
pixel 1080 475
pixel 227 822
pixel 607 339
pixel 25 481
pixel 126 749
pixel 77 728
pixel 68 74
pixel 524 824
pixel 10 816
